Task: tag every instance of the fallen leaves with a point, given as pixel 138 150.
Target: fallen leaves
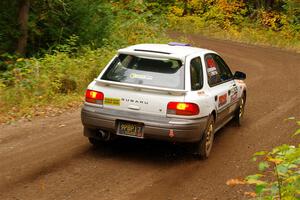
pixel 250 194
pixel 234 182
pixel 17 113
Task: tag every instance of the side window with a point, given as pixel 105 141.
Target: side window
pixel 217 70
pixel 213 71
pixel 196 73
pixel 225 72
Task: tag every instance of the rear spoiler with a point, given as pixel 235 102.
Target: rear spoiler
pixel 142 87
pixel 151 54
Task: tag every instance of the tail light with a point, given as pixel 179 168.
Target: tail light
pixel 181 108
pixel 92 96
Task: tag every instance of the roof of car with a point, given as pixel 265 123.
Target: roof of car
pixel 175 50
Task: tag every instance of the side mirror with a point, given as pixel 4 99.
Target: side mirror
pixel 239 75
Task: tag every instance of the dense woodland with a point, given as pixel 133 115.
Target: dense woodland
pixel 29 27
pixel 50 50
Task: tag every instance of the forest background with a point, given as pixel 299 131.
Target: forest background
pixel 50 50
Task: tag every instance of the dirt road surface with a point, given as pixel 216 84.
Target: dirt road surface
pixel 50 159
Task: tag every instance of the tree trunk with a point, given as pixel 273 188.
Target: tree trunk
pixel 23 23
pixel 270 4
pixel 185 11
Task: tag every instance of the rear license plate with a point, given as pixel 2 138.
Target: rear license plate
pixel 130 129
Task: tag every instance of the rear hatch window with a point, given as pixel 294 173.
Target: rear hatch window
pixel 158 72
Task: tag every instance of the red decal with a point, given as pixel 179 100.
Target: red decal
pixel 171 133
pixel 222 100
pixel 210 63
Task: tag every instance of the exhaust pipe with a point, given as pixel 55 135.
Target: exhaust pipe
pixel 104 135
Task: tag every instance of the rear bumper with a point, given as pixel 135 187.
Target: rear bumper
pixel 184 130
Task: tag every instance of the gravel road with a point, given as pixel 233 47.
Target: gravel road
pixel 48 158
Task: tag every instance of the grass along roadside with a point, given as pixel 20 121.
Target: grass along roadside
pixel 64 103
pixel 247 33
pixel 54 83
pixel 48 85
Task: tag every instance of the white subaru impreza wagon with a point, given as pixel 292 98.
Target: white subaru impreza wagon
pixel 171 92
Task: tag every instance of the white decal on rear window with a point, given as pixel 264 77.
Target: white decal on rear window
pixel 140 76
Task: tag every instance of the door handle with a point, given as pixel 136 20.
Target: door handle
pixel 216 98
pixel 229 91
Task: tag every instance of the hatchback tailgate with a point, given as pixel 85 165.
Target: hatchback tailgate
pixel 139 99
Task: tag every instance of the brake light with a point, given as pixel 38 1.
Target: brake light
pixel 92 96
pixel 181 108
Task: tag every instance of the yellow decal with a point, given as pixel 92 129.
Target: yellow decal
pixel 112 101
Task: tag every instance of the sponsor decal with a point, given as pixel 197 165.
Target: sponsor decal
pixel 140 76
pixel 201 93
pixel 234 97
pixel 222 100
pixel 211 69
pixel 211 63
pixel 234 94
pixel 112 101
pixel 234 90
pixel 212 73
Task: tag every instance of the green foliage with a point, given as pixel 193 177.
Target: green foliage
pixel 37 81
pixel 275 23
pixel 280 173
pixel 63 72
pixel 53 22
pixel 135 23
pixel 91 21
pixel 9 26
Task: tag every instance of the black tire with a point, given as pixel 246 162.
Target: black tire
pixel 95 142
pixel 203 147
pixel 88 132
pixel 239 114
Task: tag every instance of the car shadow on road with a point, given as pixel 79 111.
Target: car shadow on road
pixel 136 150
pixel 155 152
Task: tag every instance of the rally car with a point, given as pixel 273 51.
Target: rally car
pixel 173 92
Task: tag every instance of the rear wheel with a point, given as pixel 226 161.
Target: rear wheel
pixel 94 141
pixel 203 147
pixel 239 114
